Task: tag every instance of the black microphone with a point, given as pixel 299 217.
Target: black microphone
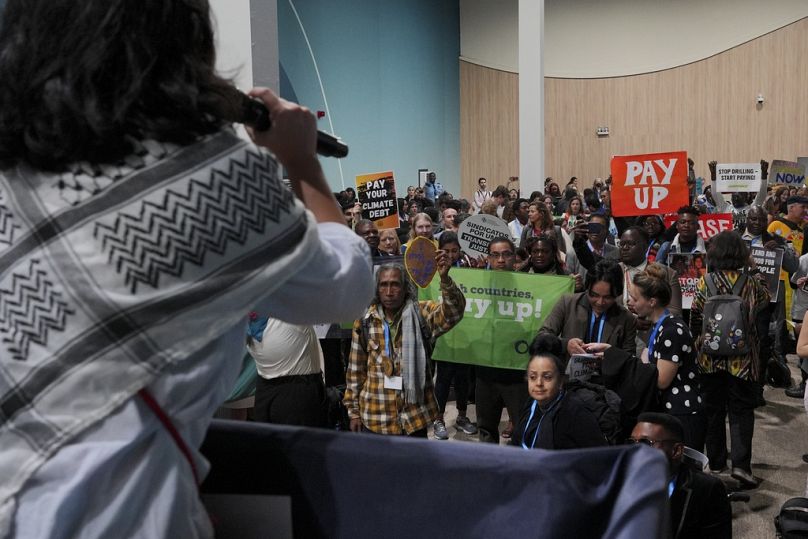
pixel 255 114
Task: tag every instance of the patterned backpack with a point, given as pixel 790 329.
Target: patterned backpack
pixel 726 326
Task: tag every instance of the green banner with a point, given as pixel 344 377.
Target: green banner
pixel 504 311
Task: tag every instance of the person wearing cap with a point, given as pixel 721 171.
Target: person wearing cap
pixel 791 226
pixel 698 502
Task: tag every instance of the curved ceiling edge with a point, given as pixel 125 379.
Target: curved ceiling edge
pixel 654 67
pixel 489 65
pixel 596 39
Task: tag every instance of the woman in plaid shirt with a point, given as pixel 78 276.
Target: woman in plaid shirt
pixel 389 382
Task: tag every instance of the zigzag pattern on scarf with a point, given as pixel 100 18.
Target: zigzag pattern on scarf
pixel 7 225
pixel 183 228
pixel 30 309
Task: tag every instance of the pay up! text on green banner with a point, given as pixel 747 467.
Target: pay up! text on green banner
pixel 504 311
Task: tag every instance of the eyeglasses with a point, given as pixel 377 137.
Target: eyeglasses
pixel 506 254
pixel 628 243
pixel 649 442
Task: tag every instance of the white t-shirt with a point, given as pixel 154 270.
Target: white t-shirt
pixel 286 350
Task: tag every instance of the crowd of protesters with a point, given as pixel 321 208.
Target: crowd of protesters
pixel 626 309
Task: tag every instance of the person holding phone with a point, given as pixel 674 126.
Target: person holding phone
pixel 594 316
pixel 671 349
pixel 142 228
pixel 574 213
pixel 590 245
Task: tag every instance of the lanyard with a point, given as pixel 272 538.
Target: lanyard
pixel 627 282
pixel 654 334
pixel 538 427
pixel 387 339
pixel 590 335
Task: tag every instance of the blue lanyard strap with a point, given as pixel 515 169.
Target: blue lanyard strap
pixel 387 339
pixel 652 338
pixel 538 427
pixel 592 320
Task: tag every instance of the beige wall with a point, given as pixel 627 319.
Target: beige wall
pixel 707 108
pixel 614 38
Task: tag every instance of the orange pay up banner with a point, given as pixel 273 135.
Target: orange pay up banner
pixel 377 195
pixel 649 184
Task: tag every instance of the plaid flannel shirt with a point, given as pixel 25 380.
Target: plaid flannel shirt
pixel 384 411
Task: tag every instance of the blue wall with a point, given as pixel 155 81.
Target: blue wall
pixel 391 77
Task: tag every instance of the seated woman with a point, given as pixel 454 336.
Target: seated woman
pixel 420 226
pixel 594 315
pixel 553 418
pixel 671 350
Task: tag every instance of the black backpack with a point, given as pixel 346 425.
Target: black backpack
pixel 726 327
pixel 792 521
pixel 604 405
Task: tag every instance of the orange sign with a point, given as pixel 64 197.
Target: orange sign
pixel 649 184
pixel 710 224
pixel 420 261
pixel 377 194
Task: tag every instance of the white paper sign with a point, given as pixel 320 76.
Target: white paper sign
pixel 476 232
pixel 738 178
pixel 583 367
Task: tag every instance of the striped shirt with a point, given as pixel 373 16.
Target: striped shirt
pixel 382 410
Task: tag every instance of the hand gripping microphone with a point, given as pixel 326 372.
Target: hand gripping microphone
pixel 256 115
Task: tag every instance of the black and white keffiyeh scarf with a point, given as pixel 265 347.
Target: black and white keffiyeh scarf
pixel 102 267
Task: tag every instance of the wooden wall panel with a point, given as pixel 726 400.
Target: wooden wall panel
pixel 489 126
pixel 707 108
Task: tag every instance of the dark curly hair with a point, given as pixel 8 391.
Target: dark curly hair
pixel 79 79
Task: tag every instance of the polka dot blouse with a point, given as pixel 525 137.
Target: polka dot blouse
pixel 674 343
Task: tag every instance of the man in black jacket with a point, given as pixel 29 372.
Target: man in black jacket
pixel 698 502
